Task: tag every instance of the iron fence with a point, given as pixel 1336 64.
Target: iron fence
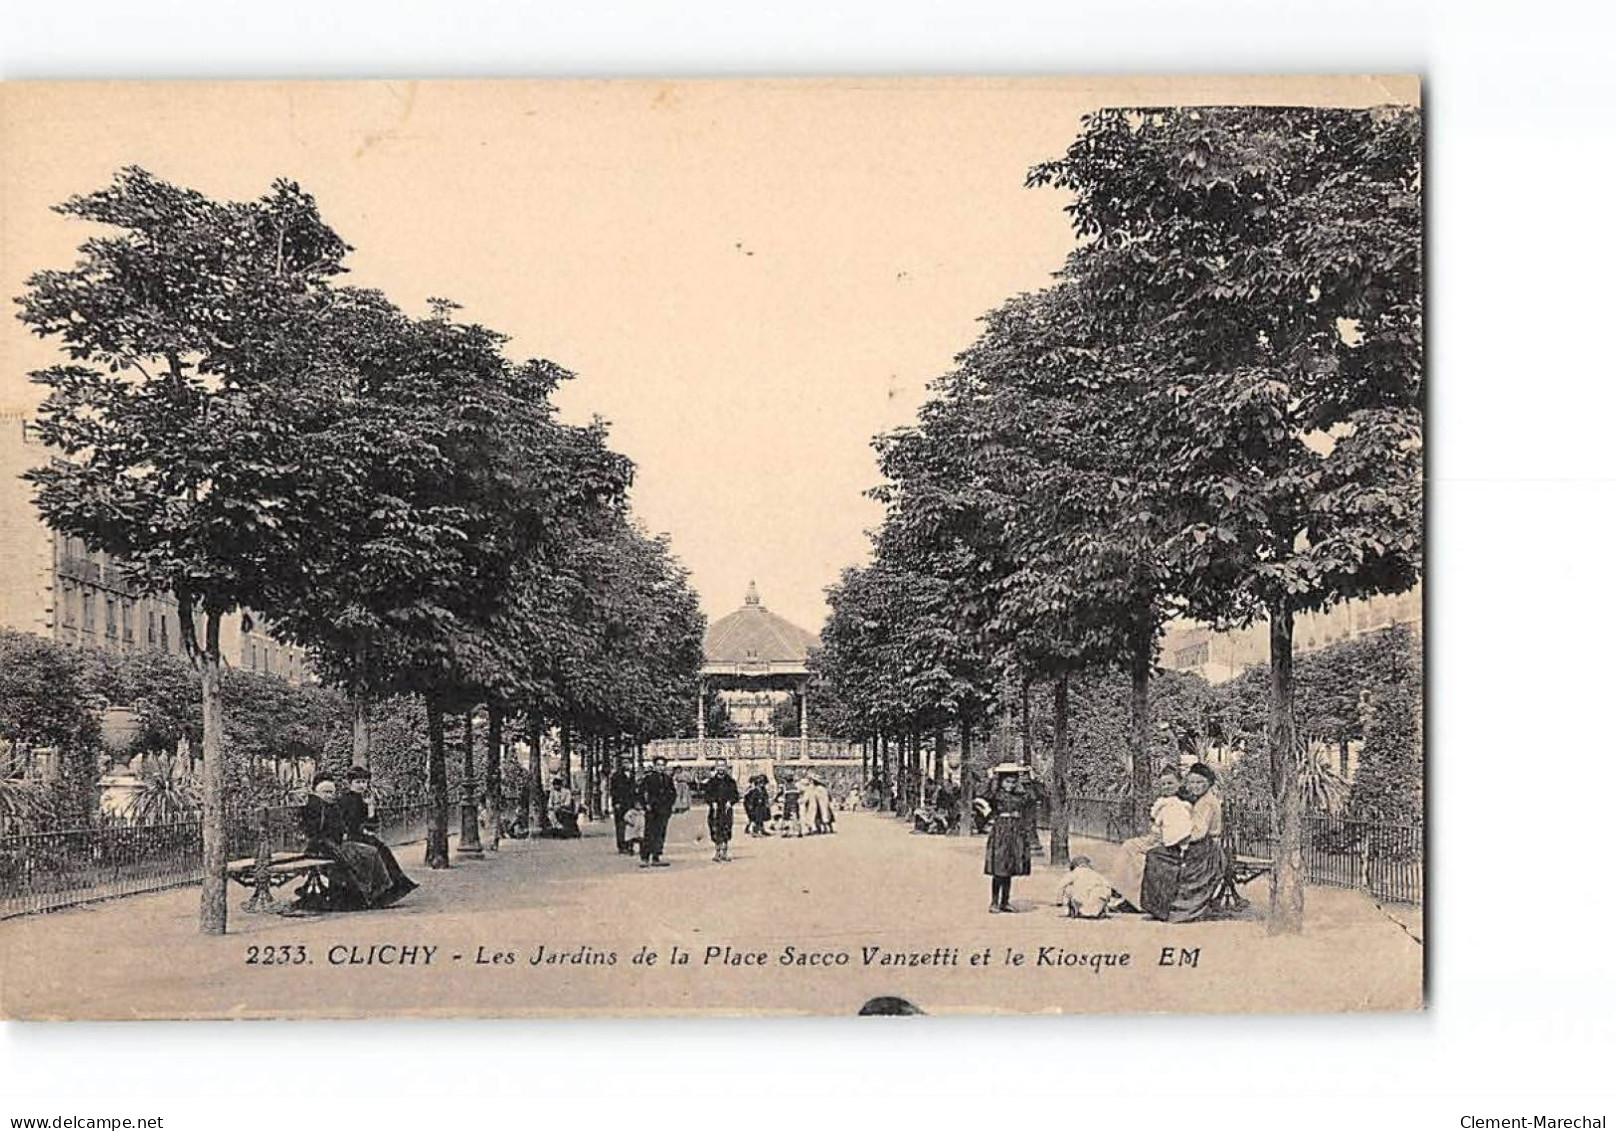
pixel 1386 860
pixel 113 857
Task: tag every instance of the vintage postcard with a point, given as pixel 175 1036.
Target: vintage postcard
pixel 855 546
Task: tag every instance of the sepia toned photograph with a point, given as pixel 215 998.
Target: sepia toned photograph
pixel 495 548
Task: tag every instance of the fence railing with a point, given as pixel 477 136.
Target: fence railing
pixel 753 747
pixel 1387 861
pixel 112 857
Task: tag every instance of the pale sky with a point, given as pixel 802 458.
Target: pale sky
pixel 750 279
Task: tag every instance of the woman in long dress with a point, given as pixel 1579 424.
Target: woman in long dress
pixel 1008 853
pixel 1169 827
pixel 359 879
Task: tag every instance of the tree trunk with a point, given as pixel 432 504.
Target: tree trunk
pixel 597 756
pixel 437 776
pixel 939 756
pixel 494 784
pixel 1141 772
pixel 1285 896
pixel 965 790
pixel 215 845
pixel 361 728
pixel 917 771
pixel 1026 722
pixel 538 788
pixel 881 770
pixel 359 695
pixel 1060 773
pixel 471 841
pixel 566 754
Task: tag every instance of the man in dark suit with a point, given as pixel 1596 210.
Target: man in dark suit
pixel 359 819
pixel 657 795
pixel 624 793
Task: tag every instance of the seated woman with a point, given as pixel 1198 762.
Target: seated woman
pixel 1182 889
pixel 358 876
pixel 1169 827
pixel 563 812
pixel 359 811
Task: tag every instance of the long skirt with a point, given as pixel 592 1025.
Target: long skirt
pixel 1199 877
pixel 1159 886
pixel 1180 883
pixel 721 822
pixel 1008 850
pixel 363 873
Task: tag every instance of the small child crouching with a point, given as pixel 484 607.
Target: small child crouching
pixel 1086 894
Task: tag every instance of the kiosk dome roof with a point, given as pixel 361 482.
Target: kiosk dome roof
pixel 752 634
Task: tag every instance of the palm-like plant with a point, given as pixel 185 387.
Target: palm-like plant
pixel 22 804
pixel 1323 788
pixel 163 794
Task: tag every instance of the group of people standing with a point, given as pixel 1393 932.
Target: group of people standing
pixel 1172 872
pixel 641 809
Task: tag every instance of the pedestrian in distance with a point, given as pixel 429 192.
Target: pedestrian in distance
pixel 756 803
pixel 624 792
pixel 657 796
pixel 721 794
pixel 790 808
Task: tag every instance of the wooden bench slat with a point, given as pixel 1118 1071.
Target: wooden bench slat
pixel 248 864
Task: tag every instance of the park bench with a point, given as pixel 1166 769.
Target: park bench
pixel 1239 868
pixel 267 871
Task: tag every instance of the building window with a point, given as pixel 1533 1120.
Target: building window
pixel 69 615
pixel 128 622
pixel 151 627
pixel 89 612
pixel 112 619
pixel 163 622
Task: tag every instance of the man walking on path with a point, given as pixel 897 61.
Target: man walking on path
pixel 657 794
pixel 623 790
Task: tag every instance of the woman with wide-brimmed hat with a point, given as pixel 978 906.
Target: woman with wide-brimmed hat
pixel 1008 854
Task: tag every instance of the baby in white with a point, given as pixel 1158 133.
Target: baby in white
pixel 1086 894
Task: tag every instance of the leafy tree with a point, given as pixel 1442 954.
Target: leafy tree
pixel 1390 783
pixel 1259 269
pixel 176 418
pixel 46 701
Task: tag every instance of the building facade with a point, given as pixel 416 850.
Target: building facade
pixel 54 586
pixel 1220 655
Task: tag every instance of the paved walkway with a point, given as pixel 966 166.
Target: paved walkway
pixel 921 901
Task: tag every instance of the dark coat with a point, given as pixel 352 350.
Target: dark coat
pixel 324 826
pixel 356 817
pixel 623 790
pixel 658 793
pixel 721 790
pixel 757 804
pixel 1007 852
